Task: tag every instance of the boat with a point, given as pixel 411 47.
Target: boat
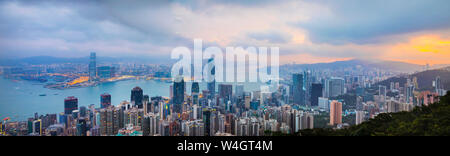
pixel 42 94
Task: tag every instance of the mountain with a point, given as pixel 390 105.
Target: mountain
pixel 384 65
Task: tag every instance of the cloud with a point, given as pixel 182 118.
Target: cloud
pixel 354 21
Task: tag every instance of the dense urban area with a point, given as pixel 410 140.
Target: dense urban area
pixel 308 100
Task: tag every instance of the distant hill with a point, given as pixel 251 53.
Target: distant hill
pixel 385 65
pixel 424 79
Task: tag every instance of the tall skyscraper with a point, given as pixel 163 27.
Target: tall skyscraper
pixel 81 127
pixel 92 67
pixel 335 86
pixel 335 112
pixel 195 88
pixel 105 72
pixel 360 115
pixel 226 91
pixel 137 95
pixel 207 121
pixel 70 104
pixel 239 90
pixel 298 89
pixel 105 100
pixel 316 92
pixel 212 85
pixel 439 87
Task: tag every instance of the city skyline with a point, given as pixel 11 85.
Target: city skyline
pixel 306 31
pixel 224 68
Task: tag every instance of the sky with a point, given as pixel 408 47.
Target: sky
pixel 306 31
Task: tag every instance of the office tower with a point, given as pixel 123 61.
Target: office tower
pixel 105 100
pixel 195 88
pixel 103 121
pixel 360 115
pixel 212 85
pixel 105 72
pixel 92 67
pixel 195 93
pixel 146 126
pixel 415 83
pixel 335 86
pixel 70 104
pixel 137 95
pixel 146 104
pixel 298 89
pixel 37 127
pixel 382 90
pixel 207 121
pixel 239 90
pixel 308 86
pixel 335 112
pixel 226 91
pixel 179 87
pixel 316 92
pixel 255 104
pixel 302 120
pixel 83 111
pixel 439 87
pixel 359 103
pixel 81 127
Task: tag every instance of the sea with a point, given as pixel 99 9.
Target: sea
pixel 20 99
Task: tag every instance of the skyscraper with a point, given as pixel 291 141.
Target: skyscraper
pixel 81 127
pixel 335 112
pixel 360 115
pixel 298 89
pixel 335 86
pixel 239 90
pixel 410 93
pixel 207 121
pixel 105 100
pixel 70 104
pixel 316 92
pixel 92 67
pixel 195 88
pixel 439 87
pixel 137 95
pixel 105 72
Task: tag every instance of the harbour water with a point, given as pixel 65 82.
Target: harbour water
pixel 19 100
